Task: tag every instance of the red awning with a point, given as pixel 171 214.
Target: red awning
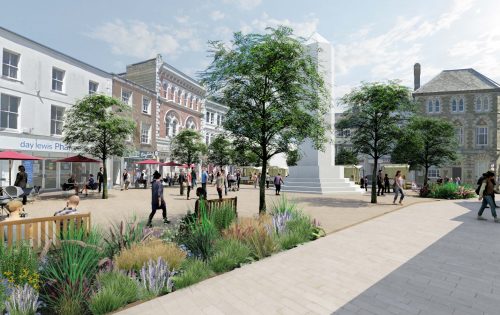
pixel 171 163
pixel 148 162
pixel 12 155
pixel 79 159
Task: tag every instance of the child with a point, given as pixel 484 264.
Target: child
pixel 15 208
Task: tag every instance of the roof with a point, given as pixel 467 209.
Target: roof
pixel 458 80
pixel 183 75
pixel 56 52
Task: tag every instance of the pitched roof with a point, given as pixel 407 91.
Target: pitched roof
pixel 458 80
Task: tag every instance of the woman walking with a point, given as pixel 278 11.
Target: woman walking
pixel 219 182
pixel 22 180
pixel 398 188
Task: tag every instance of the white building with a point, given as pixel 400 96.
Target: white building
pixel 37 85
pixel 212 123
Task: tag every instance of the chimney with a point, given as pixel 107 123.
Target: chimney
pixel 416 76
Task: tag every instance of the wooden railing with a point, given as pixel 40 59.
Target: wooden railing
pixel 39 231
pixel 229 202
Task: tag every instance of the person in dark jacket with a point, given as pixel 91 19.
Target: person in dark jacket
pixel 157 201
pixel 22 180
pixel 486 193
pixel 100 178
pixel 387 184
pixel 182 179
pixel 380 183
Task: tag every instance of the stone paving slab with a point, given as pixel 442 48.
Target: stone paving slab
pixel 424 259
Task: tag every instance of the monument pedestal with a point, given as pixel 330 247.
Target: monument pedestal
pixel 316 180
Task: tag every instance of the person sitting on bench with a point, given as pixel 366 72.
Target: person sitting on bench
pixel 15 209
pixel 70 184
pixel 91 184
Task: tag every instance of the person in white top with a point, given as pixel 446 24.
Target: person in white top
pixel 398 188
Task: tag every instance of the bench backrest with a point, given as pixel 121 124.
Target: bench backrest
pixel 39 231
pixel 230 202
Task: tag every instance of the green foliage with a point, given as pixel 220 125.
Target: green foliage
pixel 201 235
pixel 346 157
pixel 5 289
pixel 426 142
pixel 298 230
pixel 70 270
pixel 275 95
pixel 19 265
pixel 222 216
pixel 375 112
pixel 114 290
pixel 228 254
pixel 261 243
pixel 97 126
pixel 244 156
pixel 293 157
pixel 188 146
pixel 124 235
pixel 450 191
pixel 192 271
pixel 220 151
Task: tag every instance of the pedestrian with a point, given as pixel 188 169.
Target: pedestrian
pixel 100 178
pixel 486 193
pixel 189 182
pixel 204 179
pixel 268 179
pixel 157 201
pixel 193 178
pixel 362 182
pixel 387 184
pixel 126 179
pixel 219 183
pixel 254 179
pixel 277 183
pixel 380 183
pixel 22 180
pixel 223 174
pixel 202 197
pixel 366 183
pixel 238 178
pixel 398 188
pixel 182 182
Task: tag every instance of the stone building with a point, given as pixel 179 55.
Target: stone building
pixel 470 101
pixel 212 123
pixel 144 112
pixel 179 99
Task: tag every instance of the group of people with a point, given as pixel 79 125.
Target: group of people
pixel 91 183
pixel 384 185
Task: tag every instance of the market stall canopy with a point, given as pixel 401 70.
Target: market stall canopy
pixel 78 159
pixel 148 162
pixel 171 163
pixel 12 155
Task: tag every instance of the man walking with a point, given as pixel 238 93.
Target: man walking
pixel 100 178
pixel 157 201
pixel 380 183
pixel 238 178
pixel 204 179
pixel 387 184
pixel 182 179
pixel 277 183
pixel 486 193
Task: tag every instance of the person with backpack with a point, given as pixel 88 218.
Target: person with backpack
pixel 486 193
pixel 480 181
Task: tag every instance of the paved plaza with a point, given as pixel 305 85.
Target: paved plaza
pixel 431 258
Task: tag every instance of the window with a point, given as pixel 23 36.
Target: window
pixel 10 64
pixel 437 106
pixel 171 93
pixel 482 103
pixel 56 120
pixel 482 135
pixel 207 119
pixel 207 139
pixel 460 135
pixel 461 105
pixel 457 104
pixel 145 131
pixel 146 102
pixel 9 111
pixel 57 79
pixel 176 95
pixel 433 173
pixel 454 105
pixel 126 97
pixel 171 124
pixel 190 124
pixel 219 122
pixel 93 86
pixel 430 108
pixel 212 117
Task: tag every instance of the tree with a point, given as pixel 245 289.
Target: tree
pixel 426 142
pixel 188 146
pixel 244 156
pixel 275 95
pixel 293 157
pixel 97 125
pixel 375 113
pixel 346 157
pixel 220 151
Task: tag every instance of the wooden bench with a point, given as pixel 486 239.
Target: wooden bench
pixel 211 203
pixel 39 231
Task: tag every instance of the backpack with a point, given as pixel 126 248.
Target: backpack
pixel 479 183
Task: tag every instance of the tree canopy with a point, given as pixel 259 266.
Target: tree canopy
pixel 187 147
pixel 426 142
pixel 97 125
pixel 275 95
pixel 346 157
pixel 220 151
pixel 375 112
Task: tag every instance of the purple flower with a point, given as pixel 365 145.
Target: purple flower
pixel 22 300
pixel 155 276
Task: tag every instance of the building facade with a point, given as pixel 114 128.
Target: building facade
pixel 180 100
pixel 37 85
pixel 469 100
pixel 144 112
pixel 213 119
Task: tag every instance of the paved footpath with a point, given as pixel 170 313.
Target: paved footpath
pixel 432 258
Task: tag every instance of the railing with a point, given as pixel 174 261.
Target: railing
pixel 39 231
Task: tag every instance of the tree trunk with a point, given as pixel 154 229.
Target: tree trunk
pixel 104 179
pixel 426 173
pixel 374 181
pixel 262 199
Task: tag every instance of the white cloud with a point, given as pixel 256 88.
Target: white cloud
pixel 245 4
pixel 304 29
pixel 183 19
pixel 217 15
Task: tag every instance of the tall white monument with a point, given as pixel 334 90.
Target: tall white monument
pixel 316 171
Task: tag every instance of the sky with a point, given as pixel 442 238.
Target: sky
pixel 374 40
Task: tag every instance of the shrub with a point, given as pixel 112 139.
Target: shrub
pixel 242 229
pixel 139 254
pixel 19 265
pixel 5 291
pixel 229 254
pixel 261 243
pixel 201 236
pixel 284 205
pixel 70 270
pixel 22 301
pixel 114 290
pixel 124 235
pixel 192 271
pixel 221 216
pixel 449 191
pixel 155 277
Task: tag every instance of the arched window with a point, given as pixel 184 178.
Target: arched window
pixel 430 108
pixel 177 96
pixel 171 124
pixel 461 105
pixel 437 106
pixel 170 93
pixel 453 105
pixel 190 123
